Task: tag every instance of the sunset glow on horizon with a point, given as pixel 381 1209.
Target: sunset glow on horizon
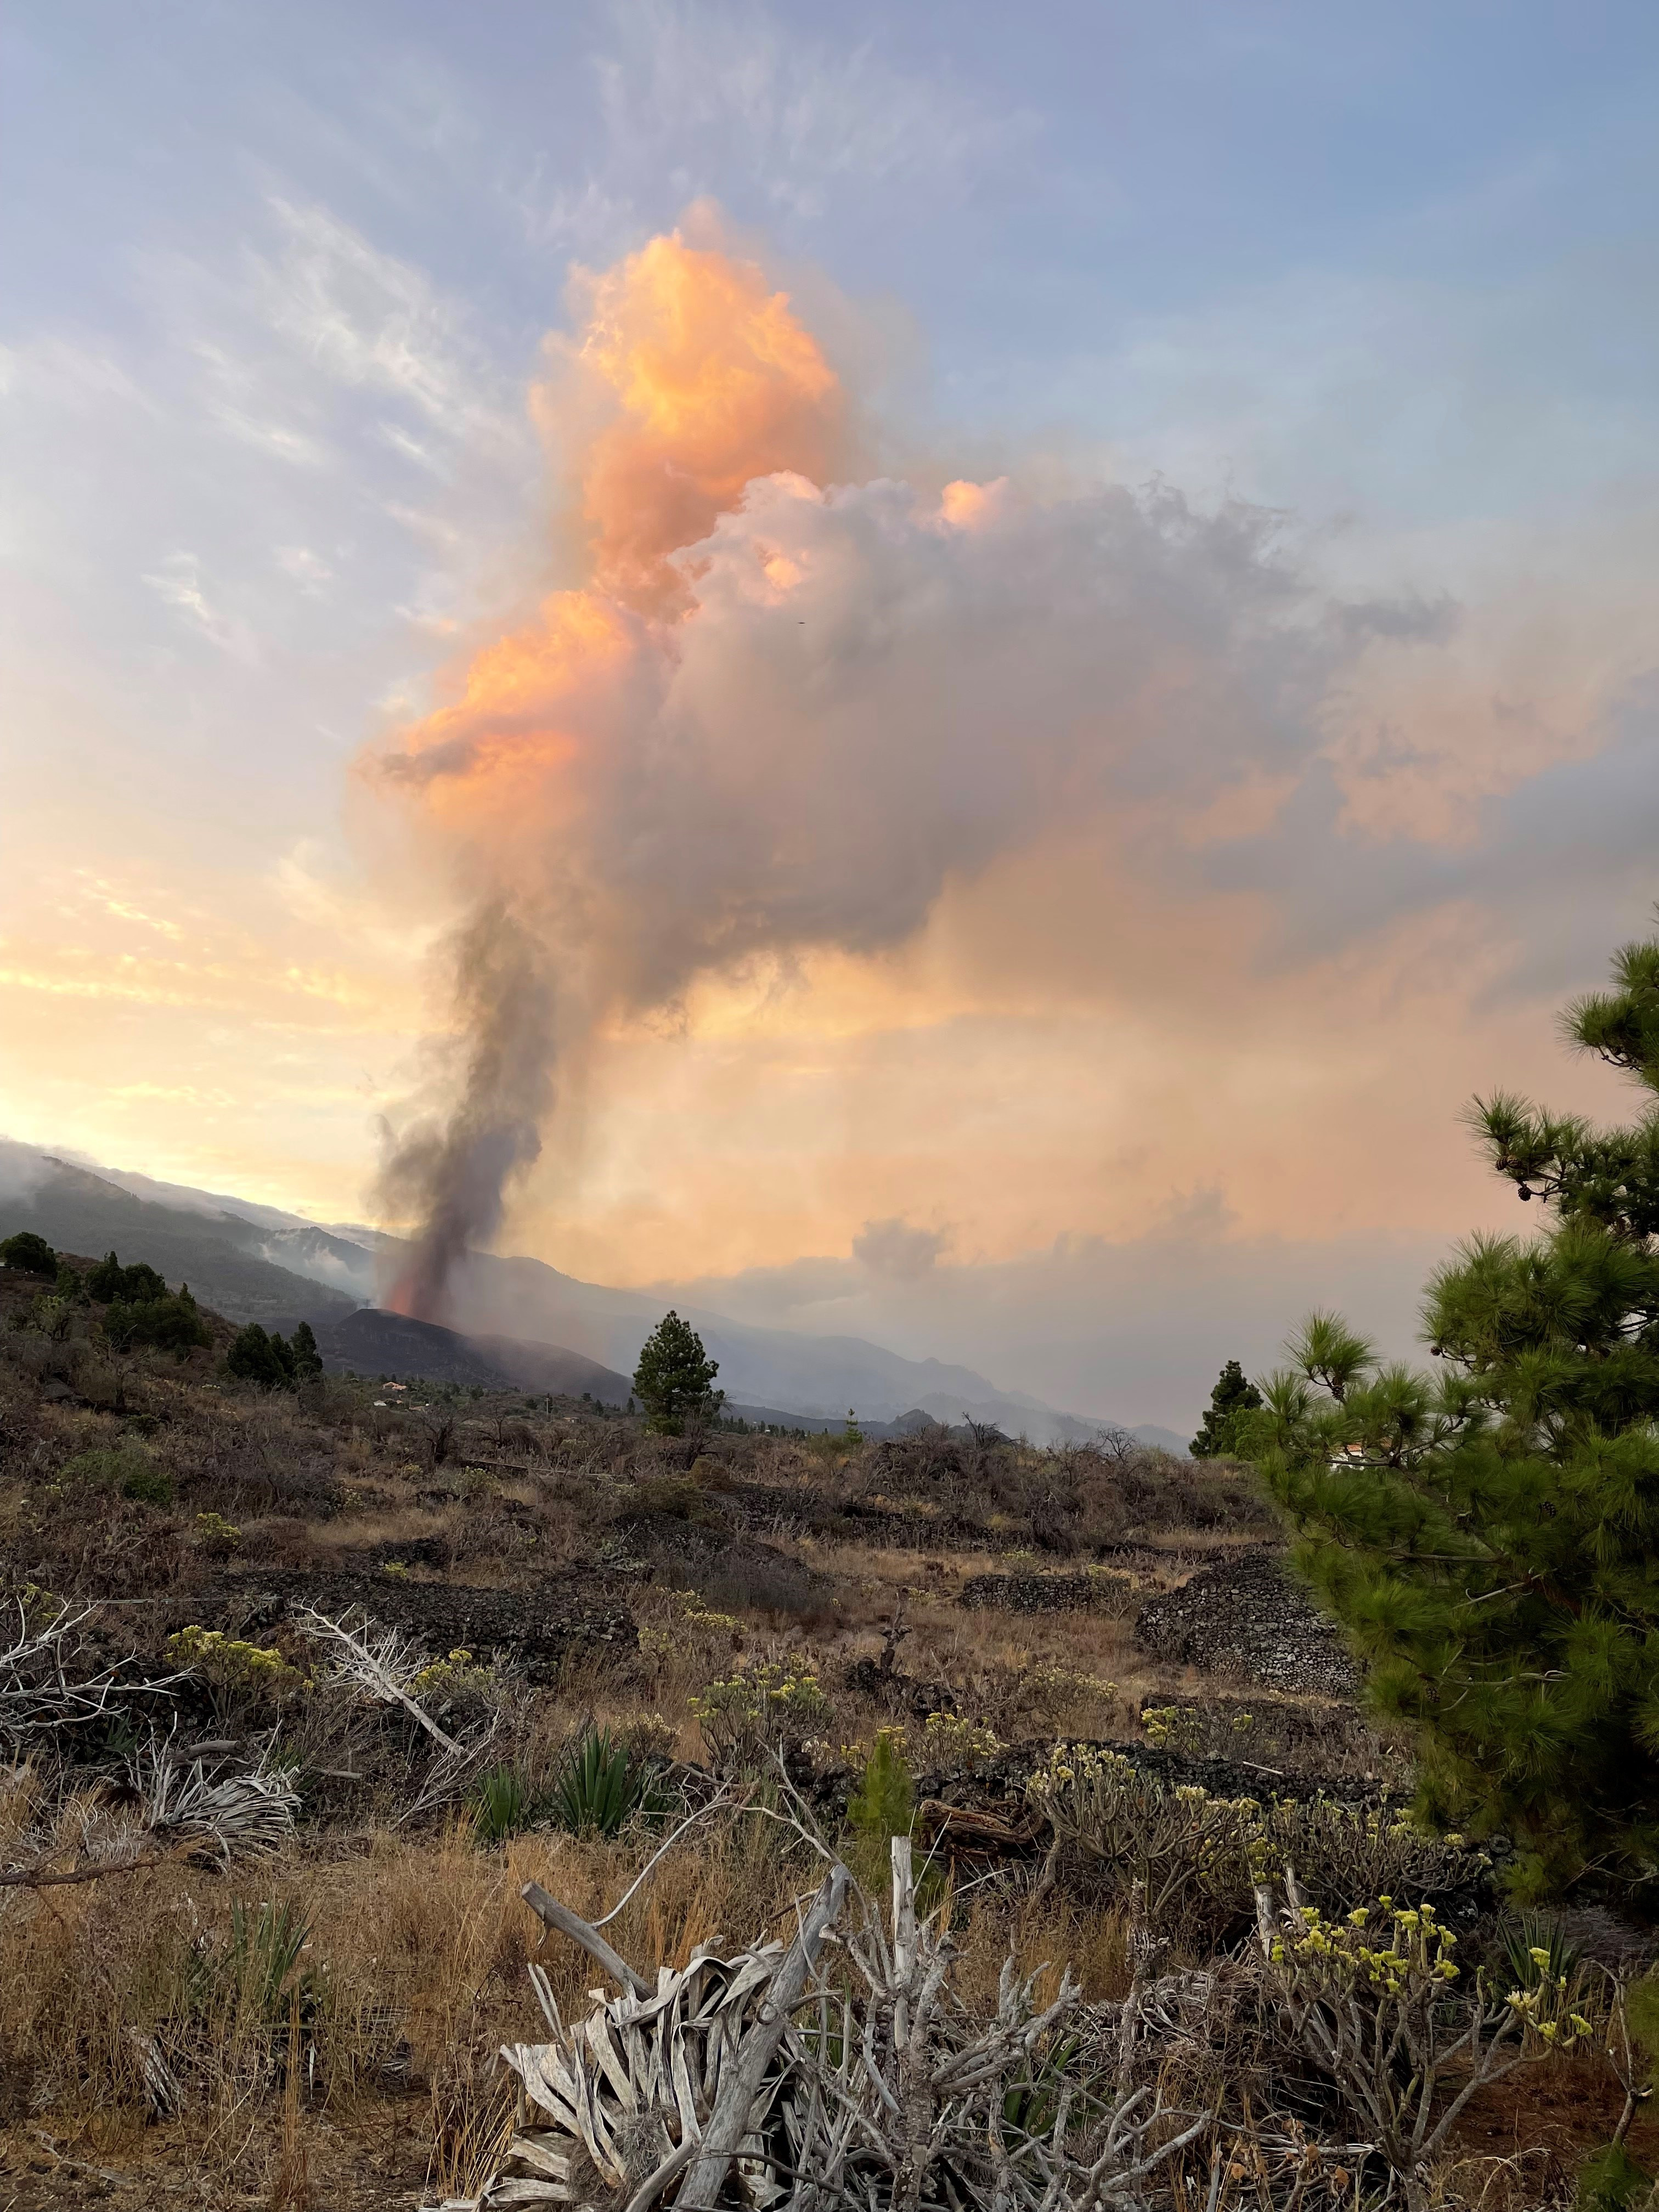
pixel 998 710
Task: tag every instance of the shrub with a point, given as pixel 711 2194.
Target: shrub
pixel 30 1255
pixel 48 1316
pixel 1372 2003
pixel 149 1485
pixel 247 1683
pixel 600 1787
pixel 1200 1856
pixel 1346 1855
pixel 170 1323
pixel 126 1468
pixel 111 1284
pixel 884 1803
pixel 504 1805
pixel 957 1746
pixel 1196 1731
pixel 1114 1827
pixel 770 1707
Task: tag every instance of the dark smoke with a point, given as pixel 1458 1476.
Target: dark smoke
pixel 455 1179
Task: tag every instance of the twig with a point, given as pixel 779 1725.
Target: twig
pixel 662 1852
pixel 36 1877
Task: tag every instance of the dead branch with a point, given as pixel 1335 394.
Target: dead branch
pixel 552 1914
pixel 42 1690
pixel 382 1665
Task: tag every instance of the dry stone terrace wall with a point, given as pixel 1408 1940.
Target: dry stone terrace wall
pixel 537 1627
pixel 1247 1618
pixel 1102 1590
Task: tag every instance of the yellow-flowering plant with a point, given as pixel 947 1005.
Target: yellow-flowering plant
pixel 1376 2000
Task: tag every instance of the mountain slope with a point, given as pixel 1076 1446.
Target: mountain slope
pixel 220 1255
pixel 253 1262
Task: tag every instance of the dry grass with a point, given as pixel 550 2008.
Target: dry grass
pixel 362 2068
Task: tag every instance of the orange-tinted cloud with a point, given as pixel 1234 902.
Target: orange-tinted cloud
pixel 790 718
pixel 708 381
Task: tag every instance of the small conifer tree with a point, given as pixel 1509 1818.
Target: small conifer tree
pixel 1490 1539
pixel 674 1380
pixel 1232 1396
pixel 254 1357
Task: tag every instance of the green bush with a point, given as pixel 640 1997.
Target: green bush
pixel 884 1803
pixel 151 1486
pixel 170 1324
pixel 504 1805
pixel 127 1469
pixel 111 1284
pixel 30 1253
pixel 599 1788
pixel 270 1360
pixel 1610 2180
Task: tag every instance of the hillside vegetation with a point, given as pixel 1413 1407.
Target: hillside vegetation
pixel 309 1682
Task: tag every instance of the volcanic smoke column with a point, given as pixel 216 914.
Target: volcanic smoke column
pixel 787 707
pixel 692 379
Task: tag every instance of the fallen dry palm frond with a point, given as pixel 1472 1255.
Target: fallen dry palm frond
pixel 870 2087
pixel 180 1810
pixel 242 1815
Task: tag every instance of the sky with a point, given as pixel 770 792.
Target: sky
pixel 1159 847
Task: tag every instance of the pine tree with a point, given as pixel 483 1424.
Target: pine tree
pixel 307 1360
pixel 1490 1539
pixel 256 1357
pixel 1232 1396
pixel 674 1380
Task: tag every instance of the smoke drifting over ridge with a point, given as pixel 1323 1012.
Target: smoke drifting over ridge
pixel 786 708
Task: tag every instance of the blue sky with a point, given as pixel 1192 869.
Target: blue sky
pixel 282 282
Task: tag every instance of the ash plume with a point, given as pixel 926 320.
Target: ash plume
pixel 455 1178
pixel 787 708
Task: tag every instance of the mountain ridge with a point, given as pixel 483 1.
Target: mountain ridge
pixel 254 1263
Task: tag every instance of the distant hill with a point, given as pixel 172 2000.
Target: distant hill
pixel 373 1342
pixel 220 1255
pixel 253 1262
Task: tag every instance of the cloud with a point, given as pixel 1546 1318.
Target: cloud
pixel 899 1248
pixel 1130 1330
pixel 177 584
pixel 371 321
pixel 714 84
pixel 308 569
